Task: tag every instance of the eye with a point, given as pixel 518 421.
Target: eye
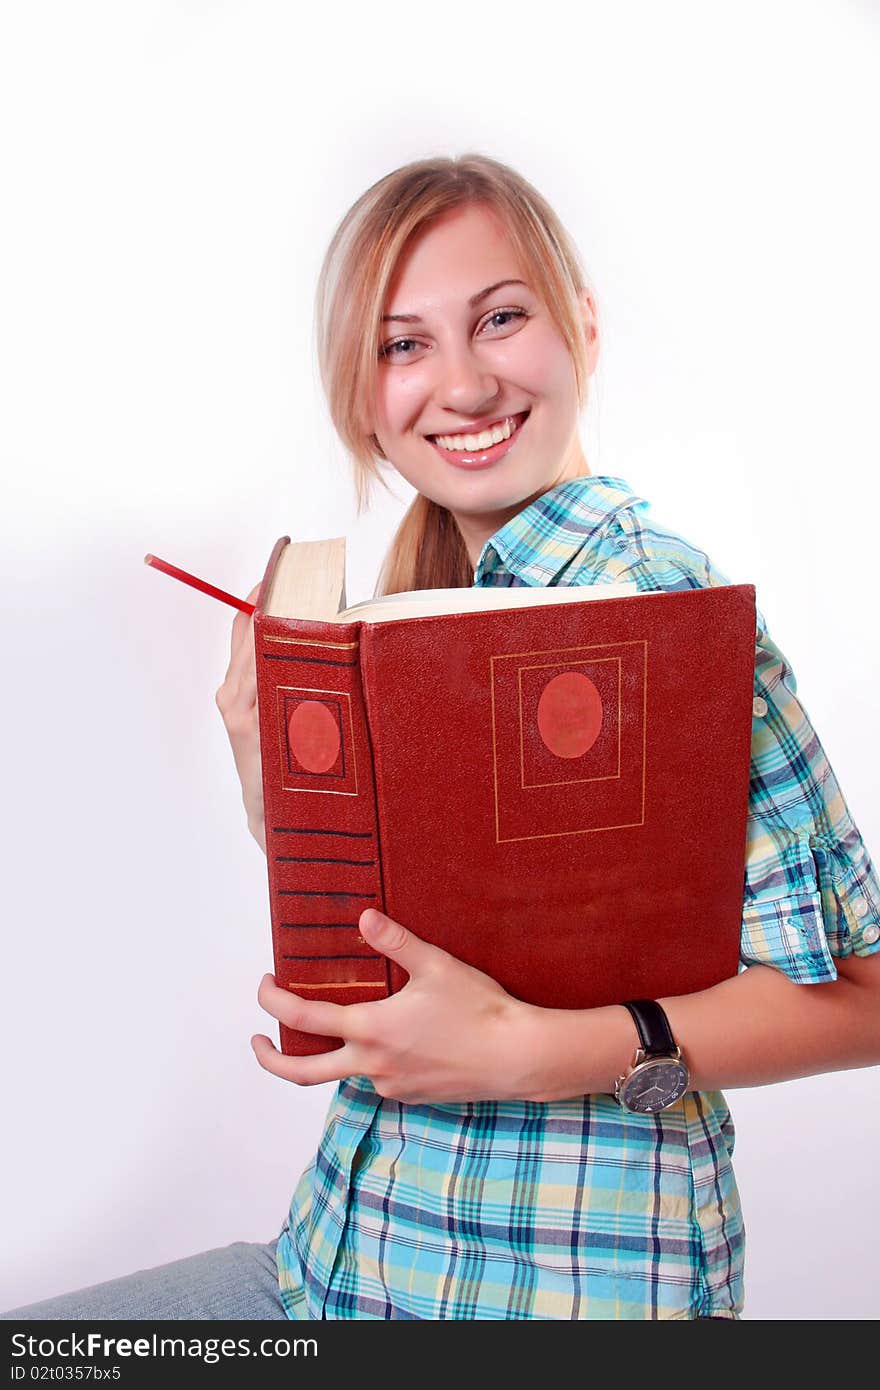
pixel 506 313
pixel 390 351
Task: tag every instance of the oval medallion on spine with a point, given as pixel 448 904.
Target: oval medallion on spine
pixel 314 736
pixel 569 714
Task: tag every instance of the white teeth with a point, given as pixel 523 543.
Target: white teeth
pixel 467 443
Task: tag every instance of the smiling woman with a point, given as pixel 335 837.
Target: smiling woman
pixel 484 1158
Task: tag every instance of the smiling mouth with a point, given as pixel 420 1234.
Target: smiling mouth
pixel 469 442
pixel 477 453
pixel 476 441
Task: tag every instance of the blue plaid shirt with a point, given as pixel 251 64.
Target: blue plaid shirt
pixel 577 1209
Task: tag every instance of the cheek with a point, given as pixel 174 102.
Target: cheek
pixel 543 364
pixel 400 396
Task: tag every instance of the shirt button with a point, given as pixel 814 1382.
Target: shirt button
pixel 859 907
pixel 759 706
pixel 870 935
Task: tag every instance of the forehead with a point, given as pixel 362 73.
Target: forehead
pixel 447 261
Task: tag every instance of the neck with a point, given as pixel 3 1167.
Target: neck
pixel 476 528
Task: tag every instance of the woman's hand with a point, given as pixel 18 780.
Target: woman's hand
pixel 237 702
pixel 451 1034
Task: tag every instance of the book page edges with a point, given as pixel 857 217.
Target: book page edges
pixel 305 579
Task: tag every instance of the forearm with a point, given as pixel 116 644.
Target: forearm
pixel 757 1028
pixel 761 1027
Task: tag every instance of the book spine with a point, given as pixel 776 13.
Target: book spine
pixel 322 842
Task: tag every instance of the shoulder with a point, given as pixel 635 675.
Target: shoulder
pixel 636 546
pixel 657 557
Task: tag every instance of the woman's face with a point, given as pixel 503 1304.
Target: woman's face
pixel 466 360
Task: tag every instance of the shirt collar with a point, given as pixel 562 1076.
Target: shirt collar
pixel 537 544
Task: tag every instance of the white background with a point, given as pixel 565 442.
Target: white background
pixel 171 174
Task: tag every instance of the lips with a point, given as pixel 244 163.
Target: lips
pixel 471 459
pixel 478 429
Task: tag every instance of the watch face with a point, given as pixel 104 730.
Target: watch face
pixel 654 1085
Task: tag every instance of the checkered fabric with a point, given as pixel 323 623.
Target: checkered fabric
pixel 577 1209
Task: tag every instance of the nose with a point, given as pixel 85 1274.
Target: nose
pixel 464 385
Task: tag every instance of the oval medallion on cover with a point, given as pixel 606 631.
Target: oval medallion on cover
pixel 314 736
pixel 569 714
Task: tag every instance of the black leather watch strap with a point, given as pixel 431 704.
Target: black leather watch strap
pixel 653 1026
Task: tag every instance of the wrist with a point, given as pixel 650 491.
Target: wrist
pixel 574 1052
pixel 658 1076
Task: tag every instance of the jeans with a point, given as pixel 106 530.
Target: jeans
pixel 237 1282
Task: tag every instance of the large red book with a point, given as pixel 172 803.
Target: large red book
pixel 554 790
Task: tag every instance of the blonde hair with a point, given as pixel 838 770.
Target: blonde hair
pixel 427 550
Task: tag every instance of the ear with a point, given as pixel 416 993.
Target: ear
pixel 368 427
pixel 591 325
pixel 590 313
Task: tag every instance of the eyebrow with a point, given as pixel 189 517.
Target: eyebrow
pixel 474 300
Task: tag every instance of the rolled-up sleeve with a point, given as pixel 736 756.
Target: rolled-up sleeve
pixel 811 891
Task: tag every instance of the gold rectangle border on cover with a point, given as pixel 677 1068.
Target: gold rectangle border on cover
pixel 307 690
pixel 612 776
pixel 555 652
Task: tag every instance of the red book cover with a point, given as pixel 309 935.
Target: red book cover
pixel 556 794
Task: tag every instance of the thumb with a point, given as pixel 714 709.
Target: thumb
pixel 393 939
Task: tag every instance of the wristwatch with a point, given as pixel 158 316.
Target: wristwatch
pixel 658 1076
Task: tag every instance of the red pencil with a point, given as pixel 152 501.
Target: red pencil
pixel 198 583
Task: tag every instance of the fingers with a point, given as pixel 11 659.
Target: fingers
pixel 243 623
pixel 245 665
pixel 302 1071
pixel 237 695
pixel 394 940
pixel 242 630
pixel 308 1015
